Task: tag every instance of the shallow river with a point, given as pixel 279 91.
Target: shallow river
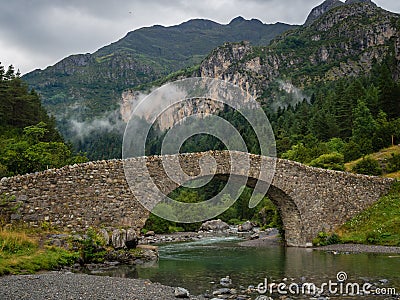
pixel 199 265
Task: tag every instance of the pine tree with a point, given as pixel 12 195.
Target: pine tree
pixel 28 137
pixel 346 102
pixel 389 90
pixel 364 127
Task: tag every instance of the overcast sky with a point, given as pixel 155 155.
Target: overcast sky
pixel 38 33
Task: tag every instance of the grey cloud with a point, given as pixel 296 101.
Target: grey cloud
pixel 34 34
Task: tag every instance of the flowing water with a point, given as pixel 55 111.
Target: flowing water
pixel 199 265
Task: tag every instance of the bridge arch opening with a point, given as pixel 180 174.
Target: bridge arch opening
pixel 288 212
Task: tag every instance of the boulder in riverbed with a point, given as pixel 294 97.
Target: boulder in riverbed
pixel 246 226
pixel 131 238
pixel 149 233
pixel 122 238
pixel 225 281
pixel 254 236
pixel 104 234
pixel 118 238
pixel 214 225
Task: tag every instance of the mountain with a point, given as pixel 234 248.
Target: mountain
pixel 343 42
pixel 338 40
pixel 355 40
pixel 330 88
pixel 86 87
pixel 95 81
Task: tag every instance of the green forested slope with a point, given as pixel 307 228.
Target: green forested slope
pixel 29 141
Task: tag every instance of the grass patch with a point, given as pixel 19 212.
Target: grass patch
pixel 20 253
pixel 382 156
pixel 378 225
pixel 395 175
pixel 12 243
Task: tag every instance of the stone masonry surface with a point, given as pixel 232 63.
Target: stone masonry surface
pixel 97 194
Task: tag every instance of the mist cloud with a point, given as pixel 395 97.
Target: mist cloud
pixel 109 122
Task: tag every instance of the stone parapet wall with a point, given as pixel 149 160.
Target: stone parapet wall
pixel 73 197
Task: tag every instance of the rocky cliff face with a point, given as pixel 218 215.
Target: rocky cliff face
pixel 222 64
pixel 322 9
pixel 174 114
pixel 339 40
pixel 344 41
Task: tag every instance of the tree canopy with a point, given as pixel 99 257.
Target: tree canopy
pixel 29 140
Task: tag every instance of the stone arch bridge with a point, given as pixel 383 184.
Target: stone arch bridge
pixel 75 197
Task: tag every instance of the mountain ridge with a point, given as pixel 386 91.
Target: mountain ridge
pixel 276 75
pixel 321 9
pixel 333 41
pixel 141 56
pixel 327 5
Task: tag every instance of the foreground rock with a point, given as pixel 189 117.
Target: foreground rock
pixel 226 281
pixel 181 293
pixel 58 285
pixel 122 238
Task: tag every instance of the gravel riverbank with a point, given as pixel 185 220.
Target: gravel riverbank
pixel 269 238
pixel 61 285
pixel 357 248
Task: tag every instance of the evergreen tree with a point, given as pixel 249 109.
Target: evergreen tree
pixel 390 91
pixel 343 108
pixel 346 102
pixel 29 141
pixel 364 127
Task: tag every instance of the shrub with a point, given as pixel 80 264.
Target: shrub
pixel 331 161
pixel 298 153
pixel 173 229
pixel 157 224
pixel 368 166
pixel 3 171
pixel 333 239
pixel 376 238
pixel 92 247
pixel 160 225
pixel 351 151
pixel 324 239
pixel 234 221
pixel 394 163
